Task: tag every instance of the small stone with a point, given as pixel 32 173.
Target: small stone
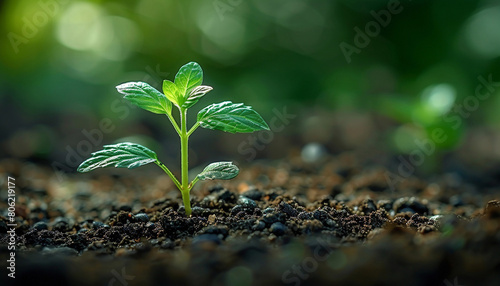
pixel 83 230
pixel 268 210
pixel 97 224
pixel 150 225
pixel 236 209
pixel 259 225
pixel 253 194
pixel 247 202
pixel 313 152
pixel 124 217
pixel 61 224
pixel 226 196
pixel 384 204
pixel 270 218
pixel 278 228
pixel 197 211
pixel 410 203
pixel 305 216
pixel 216 229
pixel 288 209
pixel 368 206
pixel 41 225
pixel 212 218
pixel 142 217
pixel 320 215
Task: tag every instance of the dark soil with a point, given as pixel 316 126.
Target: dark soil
pixel 334 223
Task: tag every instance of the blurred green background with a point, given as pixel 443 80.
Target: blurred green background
pixel 351 72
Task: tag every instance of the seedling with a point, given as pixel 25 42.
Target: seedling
pixel 184 92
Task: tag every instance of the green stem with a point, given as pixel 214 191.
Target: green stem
pixel 184 162
pixel 193 128
pixel 164 168
pixel 174 123
pixel 193 183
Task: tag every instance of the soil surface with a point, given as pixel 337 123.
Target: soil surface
pixel 336 222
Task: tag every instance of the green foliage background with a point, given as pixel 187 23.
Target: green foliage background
pixel 60 61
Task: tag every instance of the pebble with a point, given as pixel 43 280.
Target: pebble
pixel 320 215
pixel 270 218
pixel 253 194
pixel 410 203
pixel 288 209
pixel 217 230
pixel 142 217
pixel 268 210
pixel 247 202
pixel 97 224
pixel 41 225
pixel 368 206
pixel 313 152
pixel 197 211
pixel 278 228
pixel 82 230
pixel 305 216
pixel 259 225
pixel 226 196
pixel 236 209
pixel 384 204
pixel 61 224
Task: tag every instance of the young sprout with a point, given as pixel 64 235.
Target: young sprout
pixel 184 92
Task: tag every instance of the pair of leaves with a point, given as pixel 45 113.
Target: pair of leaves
pixel 184 92
pixel 186 89
pixel 131 155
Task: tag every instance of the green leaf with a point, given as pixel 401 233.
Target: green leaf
pixel 189 76
pixel 146 97
pixel 121 155
pixel 170 91
pixel 219 171
pixel 231 117
pixel 195 95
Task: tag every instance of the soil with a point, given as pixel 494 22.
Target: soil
pixel 336 222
